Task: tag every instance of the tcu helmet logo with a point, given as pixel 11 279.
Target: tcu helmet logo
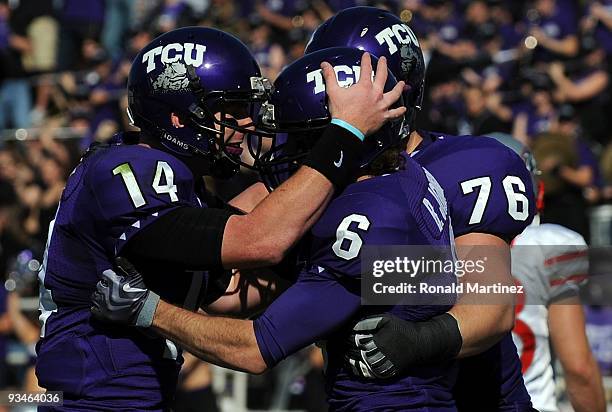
pixel 345 75
pixel 398 33
pixel 188 53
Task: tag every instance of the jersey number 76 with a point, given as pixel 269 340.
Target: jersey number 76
pixel 518 203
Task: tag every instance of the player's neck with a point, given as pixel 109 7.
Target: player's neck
pixel 364 177
pixel 414 141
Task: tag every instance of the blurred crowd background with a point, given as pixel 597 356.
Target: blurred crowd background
pixel 538 69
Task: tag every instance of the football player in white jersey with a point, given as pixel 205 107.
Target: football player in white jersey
pixel 550 262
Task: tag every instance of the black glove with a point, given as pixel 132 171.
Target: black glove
pixel 122 297
pixel 384 346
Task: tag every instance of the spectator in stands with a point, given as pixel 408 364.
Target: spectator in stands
pixel 480 119
pixel 270 56
pixel 504 14
pixel 278 13
pixel 230 16
pixel 553 25
pixel 537 115
pixel 585 84
pixel 28 333
pixel 597 20
pixel 444 106
pixel 80 20
pixel 444 31
pixel 582 180
pixel 117 24
pixel 106 89
pixel 15 97
pixel 169 15
pixel 41 35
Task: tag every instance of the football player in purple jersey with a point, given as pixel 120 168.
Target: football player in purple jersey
pixel 192 92
pixel 491 199
pixel 385 206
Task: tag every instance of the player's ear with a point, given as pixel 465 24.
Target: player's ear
pixel 176 121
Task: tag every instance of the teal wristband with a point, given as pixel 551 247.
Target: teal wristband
pixel 349 127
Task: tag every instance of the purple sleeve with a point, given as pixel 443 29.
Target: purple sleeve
pixel 310 309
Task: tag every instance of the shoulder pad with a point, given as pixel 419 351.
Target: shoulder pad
pixel 487 185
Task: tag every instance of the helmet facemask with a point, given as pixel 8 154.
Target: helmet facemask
pixel 218 115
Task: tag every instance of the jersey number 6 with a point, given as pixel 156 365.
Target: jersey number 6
pixel 514 198
pixel 350 240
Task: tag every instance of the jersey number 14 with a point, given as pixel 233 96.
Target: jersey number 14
pixel 163 172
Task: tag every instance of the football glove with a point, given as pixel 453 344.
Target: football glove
pixel 122 297
pixel 384 346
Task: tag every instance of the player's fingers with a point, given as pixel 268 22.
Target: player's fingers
pixel 368 371
pixel 385 370
pixel 360 339
pixel 367 324
pixel 364 370
pixel 111 276
pixel 101 286
pixel 96 297
pixel 95 311
pixel 354 368
pixel 395 113
pixel 352 354
pixel 366 68
pixel 331 84
pixel 394 94
pixel 374 358
pixel 125 266
pixel 365 342
pixel 381 74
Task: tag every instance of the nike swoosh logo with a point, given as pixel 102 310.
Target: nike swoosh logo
pixel 127 288
pixel 339 162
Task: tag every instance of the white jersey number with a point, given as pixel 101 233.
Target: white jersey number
pixel 515 193
pixel 163 171
pixel 344 234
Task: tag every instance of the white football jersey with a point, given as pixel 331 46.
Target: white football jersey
pixel 550 262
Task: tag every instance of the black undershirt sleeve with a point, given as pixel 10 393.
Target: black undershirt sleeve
pixel 190 237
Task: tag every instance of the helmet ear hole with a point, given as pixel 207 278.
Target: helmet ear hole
pixel 176 121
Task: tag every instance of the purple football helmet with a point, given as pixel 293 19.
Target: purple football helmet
pixel 189 87
pixel 380 33
pixel 297 111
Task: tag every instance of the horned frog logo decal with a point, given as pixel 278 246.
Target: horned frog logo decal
pixel 409 59
pixel 172 79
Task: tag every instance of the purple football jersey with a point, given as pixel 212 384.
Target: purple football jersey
pixel 489 190
pixel 114 192
pixel 487 186
pixel 384 210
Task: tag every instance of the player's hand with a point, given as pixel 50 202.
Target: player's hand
pixel 365 358
pixel 122 297
pixel 384 346
pixel 364 105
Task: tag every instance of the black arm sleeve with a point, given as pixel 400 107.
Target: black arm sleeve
pixel 189 237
